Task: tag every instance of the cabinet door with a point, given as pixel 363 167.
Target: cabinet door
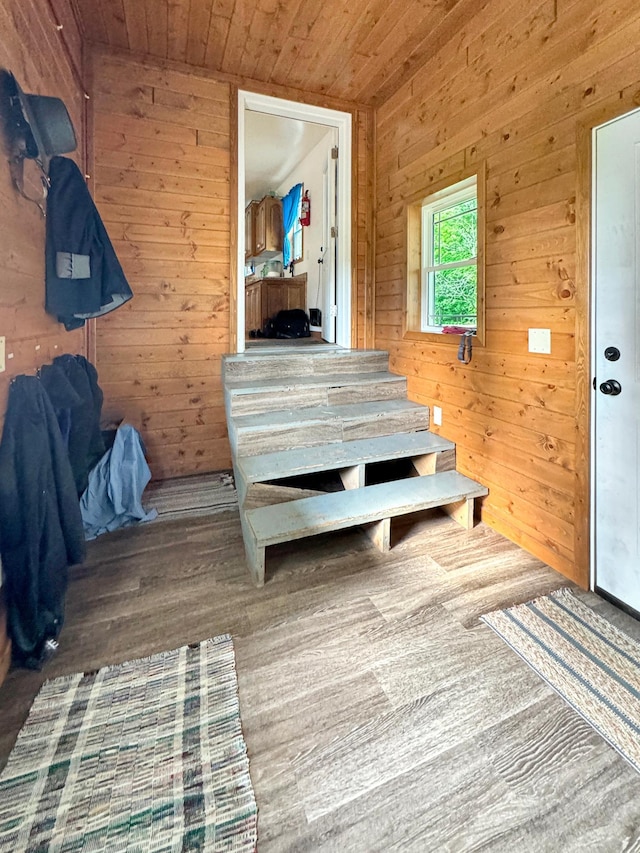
pixel 260 228
pixel 253 307
pixel 274 231
pixel 275 297
pixel 283 295
pixel 250 230
pixel 248 233
pixel 297 294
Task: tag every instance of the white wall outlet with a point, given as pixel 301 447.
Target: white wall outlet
pixel 3 365
pixel 437 416
pixel 540 340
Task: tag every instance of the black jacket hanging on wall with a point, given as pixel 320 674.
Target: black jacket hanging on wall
pixel 41 530
pixel 85 442
pixel 83 275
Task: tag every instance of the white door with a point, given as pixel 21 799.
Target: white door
pixel 330 257
pixel 616 359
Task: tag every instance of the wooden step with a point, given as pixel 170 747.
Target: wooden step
pixel 254 365
pixel 249 396
pixel 269 432
pixel 347 454
pixel 377 504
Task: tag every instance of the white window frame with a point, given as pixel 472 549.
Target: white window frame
pixel 448 197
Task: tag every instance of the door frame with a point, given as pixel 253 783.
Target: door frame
pixel 342 121
pixel 584 528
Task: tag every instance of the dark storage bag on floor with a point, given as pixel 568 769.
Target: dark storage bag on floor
pixel 292 324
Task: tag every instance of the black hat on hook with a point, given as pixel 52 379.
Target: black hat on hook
pixel 44 124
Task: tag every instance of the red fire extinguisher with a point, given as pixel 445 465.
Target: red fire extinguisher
pixel 305 209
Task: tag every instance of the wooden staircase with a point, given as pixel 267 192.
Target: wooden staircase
pixel 320 412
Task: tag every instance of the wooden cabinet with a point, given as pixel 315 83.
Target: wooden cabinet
pixel 250 229
pixel 266 296
pixel 253 306
pixel 263 232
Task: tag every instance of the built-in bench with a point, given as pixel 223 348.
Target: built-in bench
pixel 374 506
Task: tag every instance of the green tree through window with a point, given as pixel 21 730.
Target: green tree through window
pixel 450 248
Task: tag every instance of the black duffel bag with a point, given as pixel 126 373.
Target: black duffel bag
pixel 293 323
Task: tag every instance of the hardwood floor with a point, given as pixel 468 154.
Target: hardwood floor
pixel 379 713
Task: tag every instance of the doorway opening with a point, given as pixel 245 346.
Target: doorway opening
pixel 283 142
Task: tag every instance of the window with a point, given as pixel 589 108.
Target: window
pixel 296 238
pixel 445 259
pixel 450 258
pixel 295 235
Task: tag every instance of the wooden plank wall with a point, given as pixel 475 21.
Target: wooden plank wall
pixel 44 63
pixel 162 139
pixel 162 161
pixel 363 301
pixel 511 87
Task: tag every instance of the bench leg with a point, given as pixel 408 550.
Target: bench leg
pixel 255 562
pixel 425 464
pixel 255 553
pixel 241 486
pixel 462 512
pixel 353 477
pixel 380 534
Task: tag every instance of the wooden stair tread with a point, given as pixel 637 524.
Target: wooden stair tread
pixel 249 386
pixel 338 410
pixel 302 362
pixel 329 351
pixel 338 510
pixel 327 457
pixel 322 414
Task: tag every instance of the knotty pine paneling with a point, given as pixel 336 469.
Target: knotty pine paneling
pixel 162 139
pixel 33 48
pixel 162 188
pixel 359 52
pixel 510 88
pixel 46 61
pixel 363 233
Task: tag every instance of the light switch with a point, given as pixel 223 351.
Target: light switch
pixel 2 359
pixel 437 416
pixel 540 340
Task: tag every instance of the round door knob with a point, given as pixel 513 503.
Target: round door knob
pixel 611 387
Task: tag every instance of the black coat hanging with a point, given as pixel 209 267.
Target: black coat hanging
pixel 83 275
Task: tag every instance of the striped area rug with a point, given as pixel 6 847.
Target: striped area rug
pixel 144 756
pixel 589 662
pixel 191 497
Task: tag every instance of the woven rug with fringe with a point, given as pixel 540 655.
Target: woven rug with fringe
pixel 191 497
pixel 594 666
pixel 146 756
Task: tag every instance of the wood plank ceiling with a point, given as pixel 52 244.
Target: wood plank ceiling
pixel 360 51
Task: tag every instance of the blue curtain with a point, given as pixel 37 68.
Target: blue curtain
pixel 290 206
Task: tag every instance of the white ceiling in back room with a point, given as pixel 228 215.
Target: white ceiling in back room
pixel 273 147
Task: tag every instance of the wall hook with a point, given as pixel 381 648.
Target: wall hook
pixel 16 167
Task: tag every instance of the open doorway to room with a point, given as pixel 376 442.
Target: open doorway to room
pixel 290 154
